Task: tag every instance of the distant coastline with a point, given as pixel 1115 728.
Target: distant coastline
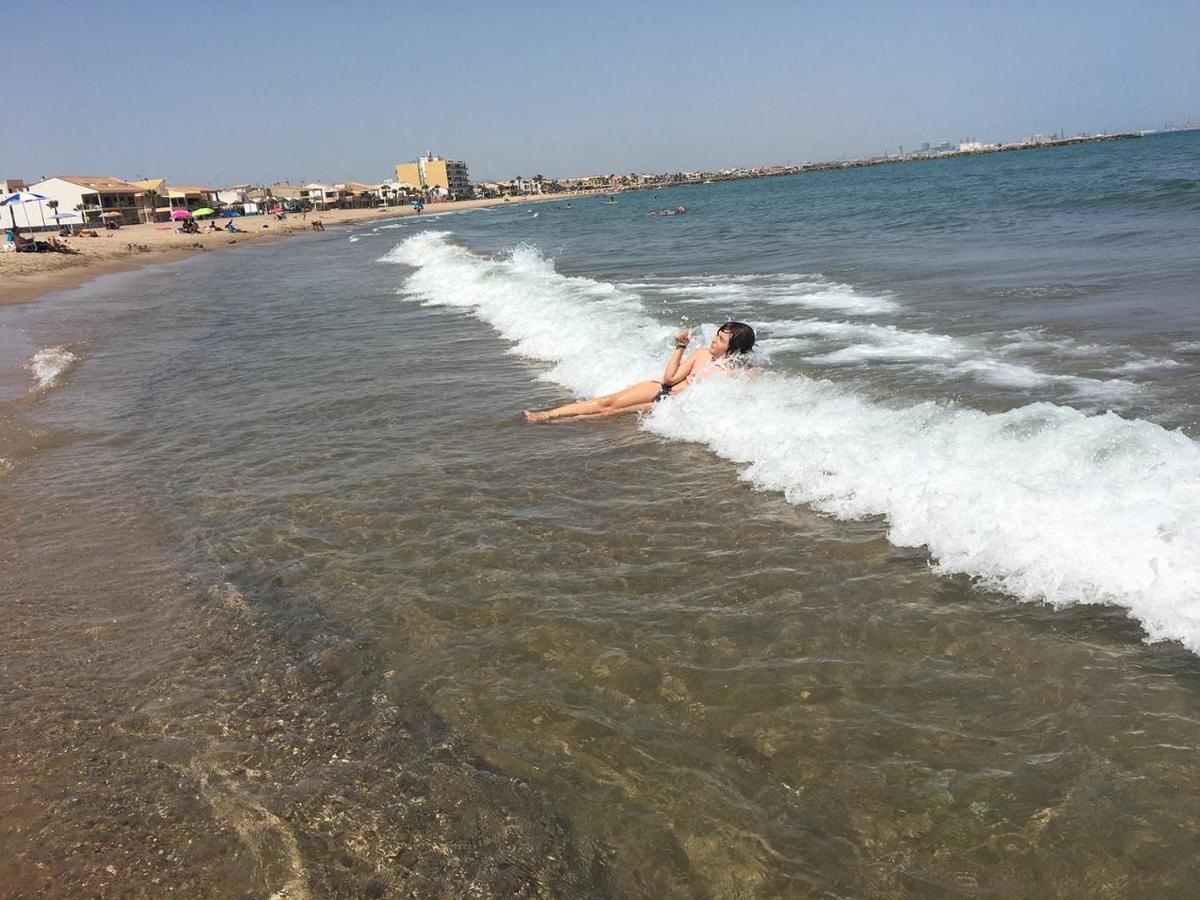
pixel 918 156
pixel 599 184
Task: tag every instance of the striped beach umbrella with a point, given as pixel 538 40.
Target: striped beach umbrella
pixel 21 197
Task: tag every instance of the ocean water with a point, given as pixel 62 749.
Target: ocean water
pixel 913 610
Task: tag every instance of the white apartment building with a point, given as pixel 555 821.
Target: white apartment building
pixel 82 198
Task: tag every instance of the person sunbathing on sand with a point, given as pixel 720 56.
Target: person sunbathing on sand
pixel 732 341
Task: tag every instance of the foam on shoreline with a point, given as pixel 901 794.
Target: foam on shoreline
pixel 49 365
pixel 1044 502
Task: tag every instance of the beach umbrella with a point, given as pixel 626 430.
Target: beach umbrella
pixel 177 214
pixel 202 211
pixel 21 197
pixel 112 214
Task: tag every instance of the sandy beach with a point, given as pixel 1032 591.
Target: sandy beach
pixel 27 276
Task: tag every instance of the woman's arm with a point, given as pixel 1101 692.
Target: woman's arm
pixel 681 370
pixel 676 372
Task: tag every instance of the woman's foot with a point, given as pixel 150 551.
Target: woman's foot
pixel 534 418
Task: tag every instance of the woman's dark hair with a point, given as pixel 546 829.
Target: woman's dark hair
pixel 741 336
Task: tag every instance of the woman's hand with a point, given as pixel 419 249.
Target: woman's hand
pixel 682 338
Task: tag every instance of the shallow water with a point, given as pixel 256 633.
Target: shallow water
pixel 768 641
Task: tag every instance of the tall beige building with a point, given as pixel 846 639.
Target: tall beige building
pixel 434 171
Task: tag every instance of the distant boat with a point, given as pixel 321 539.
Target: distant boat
pixel 707 181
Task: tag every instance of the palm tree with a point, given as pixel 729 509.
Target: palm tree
pixel 53 204
pixel 79 207
pixel 152 197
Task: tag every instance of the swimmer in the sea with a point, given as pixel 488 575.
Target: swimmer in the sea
pixel 732 341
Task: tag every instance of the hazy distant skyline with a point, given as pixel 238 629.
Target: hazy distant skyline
pixel 225 92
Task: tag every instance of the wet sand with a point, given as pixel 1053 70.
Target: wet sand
pixel 164 738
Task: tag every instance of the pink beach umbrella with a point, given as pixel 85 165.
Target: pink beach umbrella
pixel 180 214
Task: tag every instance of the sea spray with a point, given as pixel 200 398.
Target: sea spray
pixel 49 365
pixel 1043 501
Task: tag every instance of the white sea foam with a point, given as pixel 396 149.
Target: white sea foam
pixel 785 289
pixel 1145 364
pixel 49 365
pixel 1044 502
pixel 940 354
pixel 512 295
pixel 870 342
pixel 1022 377
pixel 1036 340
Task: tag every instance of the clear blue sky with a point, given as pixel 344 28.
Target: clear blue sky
pixel 219 92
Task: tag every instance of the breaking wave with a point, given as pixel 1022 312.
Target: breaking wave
pixel 1045 502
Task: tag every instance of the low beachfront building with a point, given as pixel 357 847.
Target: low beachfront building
pixel 247 199
pixel 81 200
pixel 284 192
pixel 321 195
pixel 394 192
pixel 430 172
pixel 525 186
pixel 153 199
pixel 234 195
pixel 356 195
pixel 190 197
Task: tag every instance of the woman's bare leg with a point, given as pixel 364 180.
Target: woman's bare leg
pixel 635 395
pixel 637 407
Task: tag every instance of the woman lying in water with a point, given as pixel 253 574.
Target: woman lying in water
pixel 733 340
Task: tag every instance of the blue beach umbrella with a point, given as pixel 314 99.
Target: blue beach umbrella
pixel 21 197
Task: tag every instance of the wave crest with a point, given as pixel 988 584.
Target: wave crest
pixel 1044 502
